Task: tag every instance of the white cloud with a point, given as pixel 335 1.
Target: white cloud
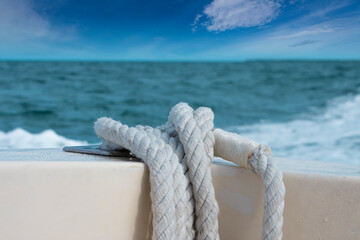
pixel 196 21
pixel 19 22
pixel 341 42
pixel 317 34
pixel 230 14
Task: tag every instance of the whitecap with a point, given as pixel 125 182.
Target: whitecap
pixel 20 138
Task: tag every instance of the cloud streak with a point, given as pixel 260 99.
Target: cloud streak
pixel 224 15
pixel 303 32
pixel 304 43
pixel 19 22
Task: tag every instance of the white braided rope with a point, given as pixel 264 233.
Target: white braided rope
pixel 179 155
pixel 250 154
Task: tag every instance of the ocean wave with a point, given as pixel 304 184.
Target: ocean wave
pixel 332 135
pixel 20 138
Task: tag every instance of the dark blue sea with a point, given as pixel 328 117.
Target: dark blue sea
pixel 301 109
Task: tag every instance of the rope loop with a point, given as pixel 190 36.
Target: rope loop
pixel 274 188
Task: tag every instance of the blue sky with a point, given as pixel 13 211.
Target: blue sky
pixel 177 30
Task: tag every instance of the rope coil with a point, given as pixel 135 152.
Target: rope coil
pixel 179 155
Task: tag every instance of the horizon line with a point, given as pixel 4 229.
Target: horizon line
pixel 185 60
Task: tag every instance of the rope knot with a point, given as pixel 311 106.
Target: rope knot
pixel 179 155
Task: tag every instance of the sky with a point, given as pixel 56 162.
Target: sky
pixel 179 30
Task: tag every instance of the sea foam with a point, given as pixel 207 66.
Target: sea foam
pixel 20 138
pixel 331 135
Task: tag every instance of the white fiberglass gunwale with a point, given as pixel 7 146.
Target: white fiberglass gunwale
pixel 51 194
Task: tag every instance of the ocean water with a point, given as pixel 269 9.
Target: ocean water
pixel 301 109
